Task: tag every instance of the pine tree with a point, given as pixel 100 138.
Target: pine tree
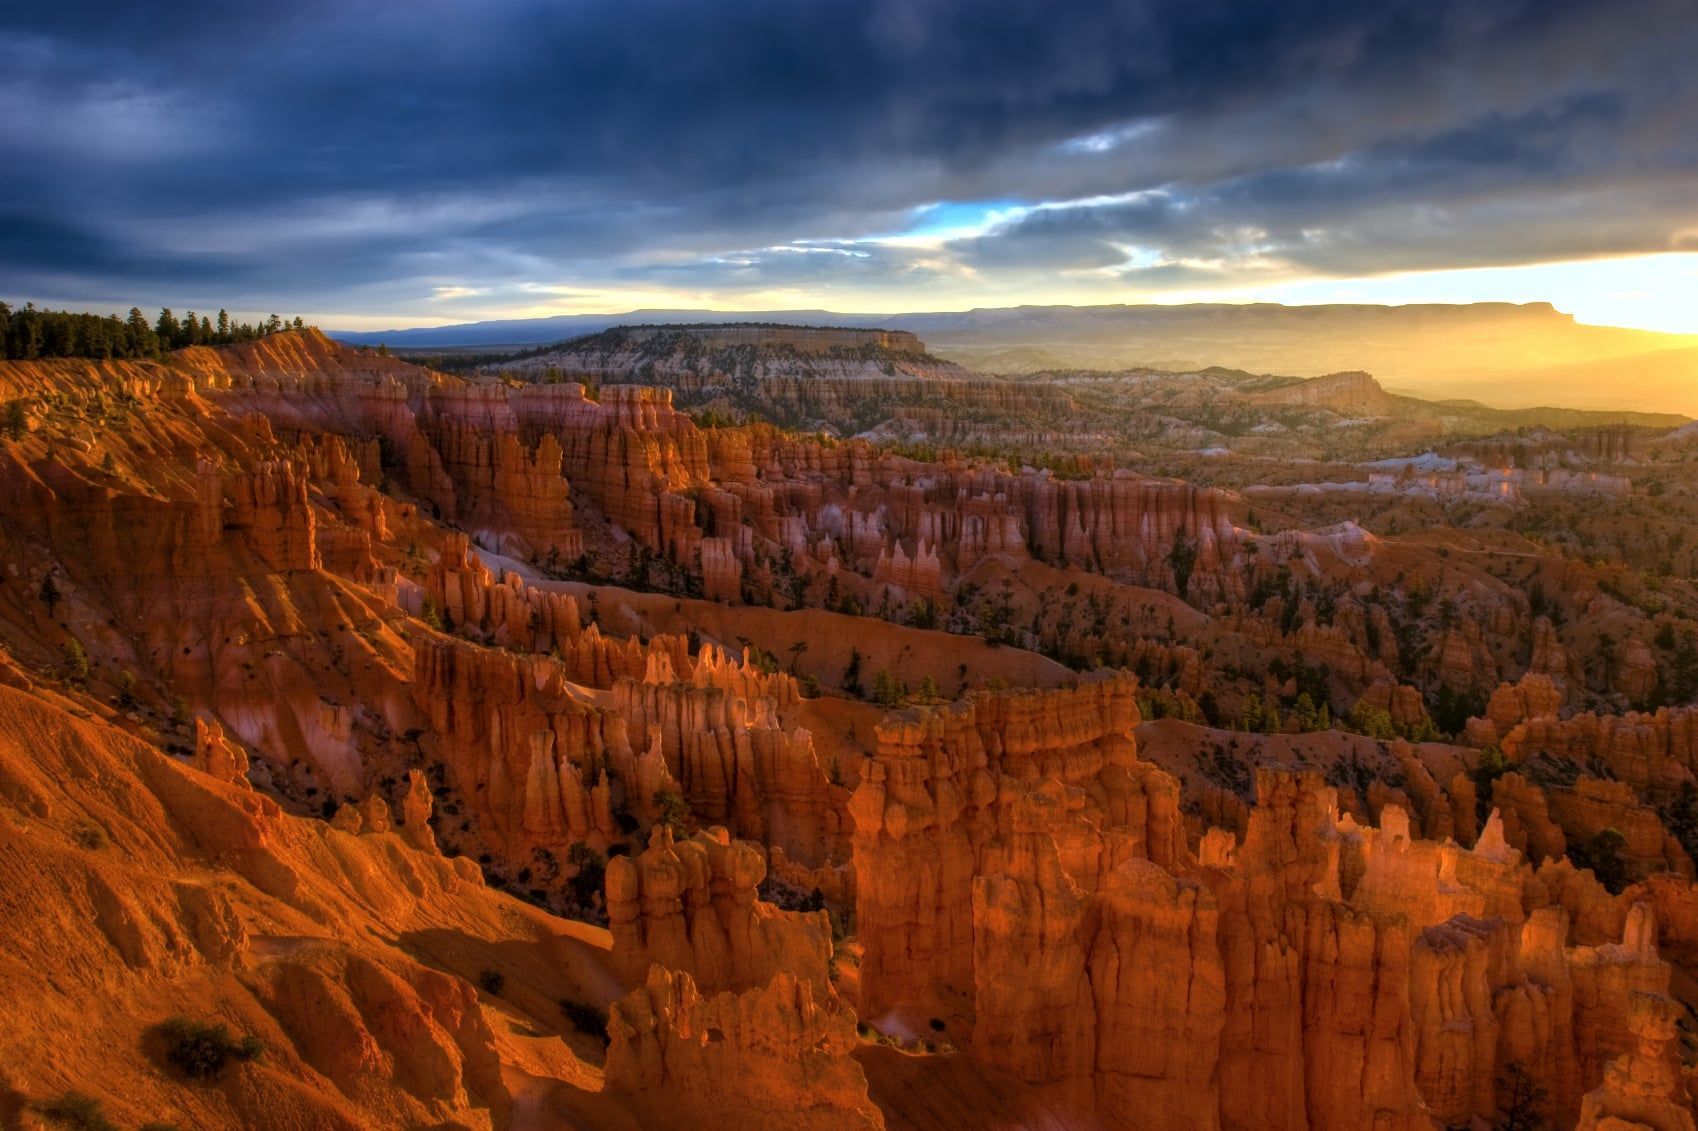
pixel 1303 713
pixel 141 338
pixel 48 594
pixel 1526 1097
pixel 223 327
pixel 852 672
pixel 671 809
pixel 1251 717
pixel 27 339
pixel 17 419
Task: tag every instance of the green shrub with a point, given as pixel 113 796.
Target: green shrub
pixel 671 809
pixel 200 1051
pixel 1491 766
pixel 1602 854
pixel 89 835
pixel 591 872
pixel 75 661
pixel 75 1111
pixel 586 1018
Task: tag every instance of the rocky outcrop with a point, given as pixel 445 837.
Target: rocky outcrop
pixel 1527 824
pixel 543 763
pixel 772 1058
pixel 530 757
pixel 1550 655
pixel 1113 996
pixel 1456 972
pixel 1400 702
pixel 1345 976
pixel 1592 806
pixel 692 906
pixel 1348 394
pixel 365 1026
pixel 269 506
pixel 718 729
pixel 1635 671
pixel 1536 696
pixel 1647 751
pixel 217 755
pixel 722 573
pixel 186 894
pixel 919 574
pixel 1317 1019
pixel 1643 1087
pixel 939 791
pixel 1606 978
pixel 529 486
pixel 627 452
pixel 416 806
pixel 515 614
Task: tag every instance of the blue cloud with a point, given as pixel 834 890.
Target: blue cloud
pixel 379 152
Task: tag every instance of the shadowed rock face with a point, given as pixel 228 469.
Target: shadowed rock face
pixel 321 718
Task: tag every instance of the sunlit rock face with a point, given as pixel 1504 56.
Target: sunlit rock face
pixel 413 724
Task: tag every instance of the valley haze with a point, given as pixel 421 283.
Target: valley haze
pixel 1510 356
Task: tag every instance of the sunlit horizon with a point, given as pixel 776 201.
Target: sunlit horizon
pixel 1656 293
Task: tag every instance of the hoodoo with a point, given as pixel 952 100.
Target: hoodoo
pixel 654 722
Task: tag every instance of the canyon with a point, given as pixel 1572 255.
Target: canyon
pixel 786 726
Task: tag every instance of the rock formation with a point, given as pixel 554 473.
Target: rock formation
pixel 1348 394
pixel 937 792
pixel 692 906
pixel 331 682
pixel 1643 1087
pixel 777 1056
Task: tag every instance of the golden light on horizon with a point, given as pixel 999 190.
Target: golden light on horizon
pixel 1657 292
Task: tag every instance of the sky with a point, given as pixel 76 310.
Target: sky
pixel 375 163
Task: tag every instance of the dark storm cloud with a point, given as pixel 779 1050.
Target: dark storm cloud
pixel 1547 184
pixel 364 152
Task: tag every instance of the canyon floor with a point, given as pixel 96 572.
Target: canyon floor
pixel 712 726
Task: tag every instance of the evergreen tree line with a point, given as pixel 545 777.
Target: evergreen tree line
pixel 30 333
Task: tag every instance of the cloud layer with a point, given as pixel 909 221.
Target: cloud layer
pixel 445 159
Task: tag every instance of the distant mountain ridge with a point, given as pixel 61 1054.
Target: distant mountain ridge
pixel 1503 354
pixel 1000 321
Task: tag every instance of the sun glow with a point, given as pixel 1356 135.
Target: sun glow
pixel 1642 292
